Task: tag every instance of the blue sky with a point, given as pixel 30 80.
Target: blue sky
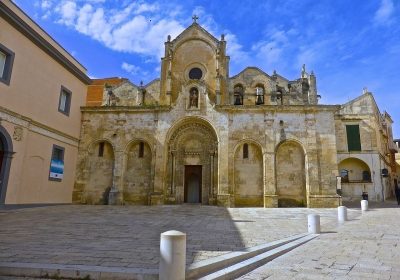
pixel 348 44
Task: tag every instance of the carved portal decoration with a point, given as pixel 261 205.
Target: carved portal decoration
pixel 192 144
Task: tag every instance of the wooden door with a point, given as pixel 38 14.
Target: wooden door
pixel 193 183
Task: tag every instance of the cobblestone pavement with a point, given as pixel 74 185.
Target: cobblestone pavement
pixel 367 247
pixel 127 236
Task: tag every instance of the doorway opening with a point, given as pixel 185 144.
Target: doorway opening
pixel 5 161
pixel 193 174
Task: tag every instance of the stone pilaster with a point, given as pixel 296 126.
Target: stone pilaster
pixel 270 197
pixel 312 161
pixel 117 188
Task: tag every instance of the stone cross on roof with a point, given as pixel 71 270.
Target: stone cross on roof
pixel 195 18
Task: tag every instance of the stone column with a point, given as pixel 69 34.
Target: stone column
pixel 211 190
pixel 172 187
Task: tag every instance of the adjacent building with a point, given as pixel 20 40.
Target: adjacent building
pixel 41 90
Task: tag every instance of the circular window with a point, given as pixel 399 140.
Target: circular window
pixel 195 73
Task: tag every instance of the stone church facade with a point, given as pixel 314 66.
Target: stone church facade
pixel 198 135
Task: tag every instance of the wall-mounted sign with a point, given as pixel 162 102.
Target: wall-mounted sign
pixel 56 169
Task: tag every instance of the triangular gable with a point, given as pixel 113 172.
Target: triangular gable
pixel 250 68
pixel 152 82
pixel 195 25
pixel 124 83
pixel 364 104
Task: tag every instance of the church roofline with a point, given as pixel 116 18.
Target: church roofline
pixel 152 82
pixel 248 68
pixel 193 25
pixel 361 97
pixel 283 78
pixel 127 81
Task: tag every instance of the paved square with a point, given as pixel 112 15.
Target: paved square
pixel 116 236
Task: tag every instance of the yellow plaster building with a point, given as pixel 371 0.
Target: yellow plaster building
pixel 41 90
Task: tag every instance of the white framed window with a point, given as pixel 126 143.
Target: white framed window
pixel 2 63
pixel 64 103
pixel 6 64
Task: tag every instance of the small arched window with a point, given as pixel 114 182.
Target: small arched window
pixel 260 94
pixel 366 175
pixel 344 174
pixel 101 149
pixel 238 93
pixel 141 149
pixel 245 151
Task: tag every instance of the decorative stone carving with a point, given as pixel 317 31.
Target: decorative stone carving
pixel 18 133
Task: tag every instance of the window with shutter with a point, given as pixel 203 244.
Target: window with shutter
pixel 353 137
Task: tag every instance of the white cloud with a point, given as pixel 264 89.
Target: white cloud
pixel 46 4
pixel 235 50
pixel 130 68
pixel 270 51
pixel 143 8
pixel 136 27
pixel 67 11
pixel 383 15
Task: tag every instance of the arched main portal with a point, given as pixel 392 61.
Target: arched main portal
pixel 290 175
pixel 6 151
pixel 192 162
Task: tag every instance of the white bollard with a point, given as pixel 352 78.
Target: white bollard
pixel 364 205
pixel 314 225
pixel 172 255
pixel 342 214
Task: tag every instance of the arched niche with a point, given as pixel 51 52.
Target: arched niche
pixel 137 184
pixel 248 175
pixel 290 175
pixel 100 175
pixel 354 170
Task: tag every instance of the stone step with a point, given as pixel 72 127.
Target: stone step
pixel 202 268
pixel 250 264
